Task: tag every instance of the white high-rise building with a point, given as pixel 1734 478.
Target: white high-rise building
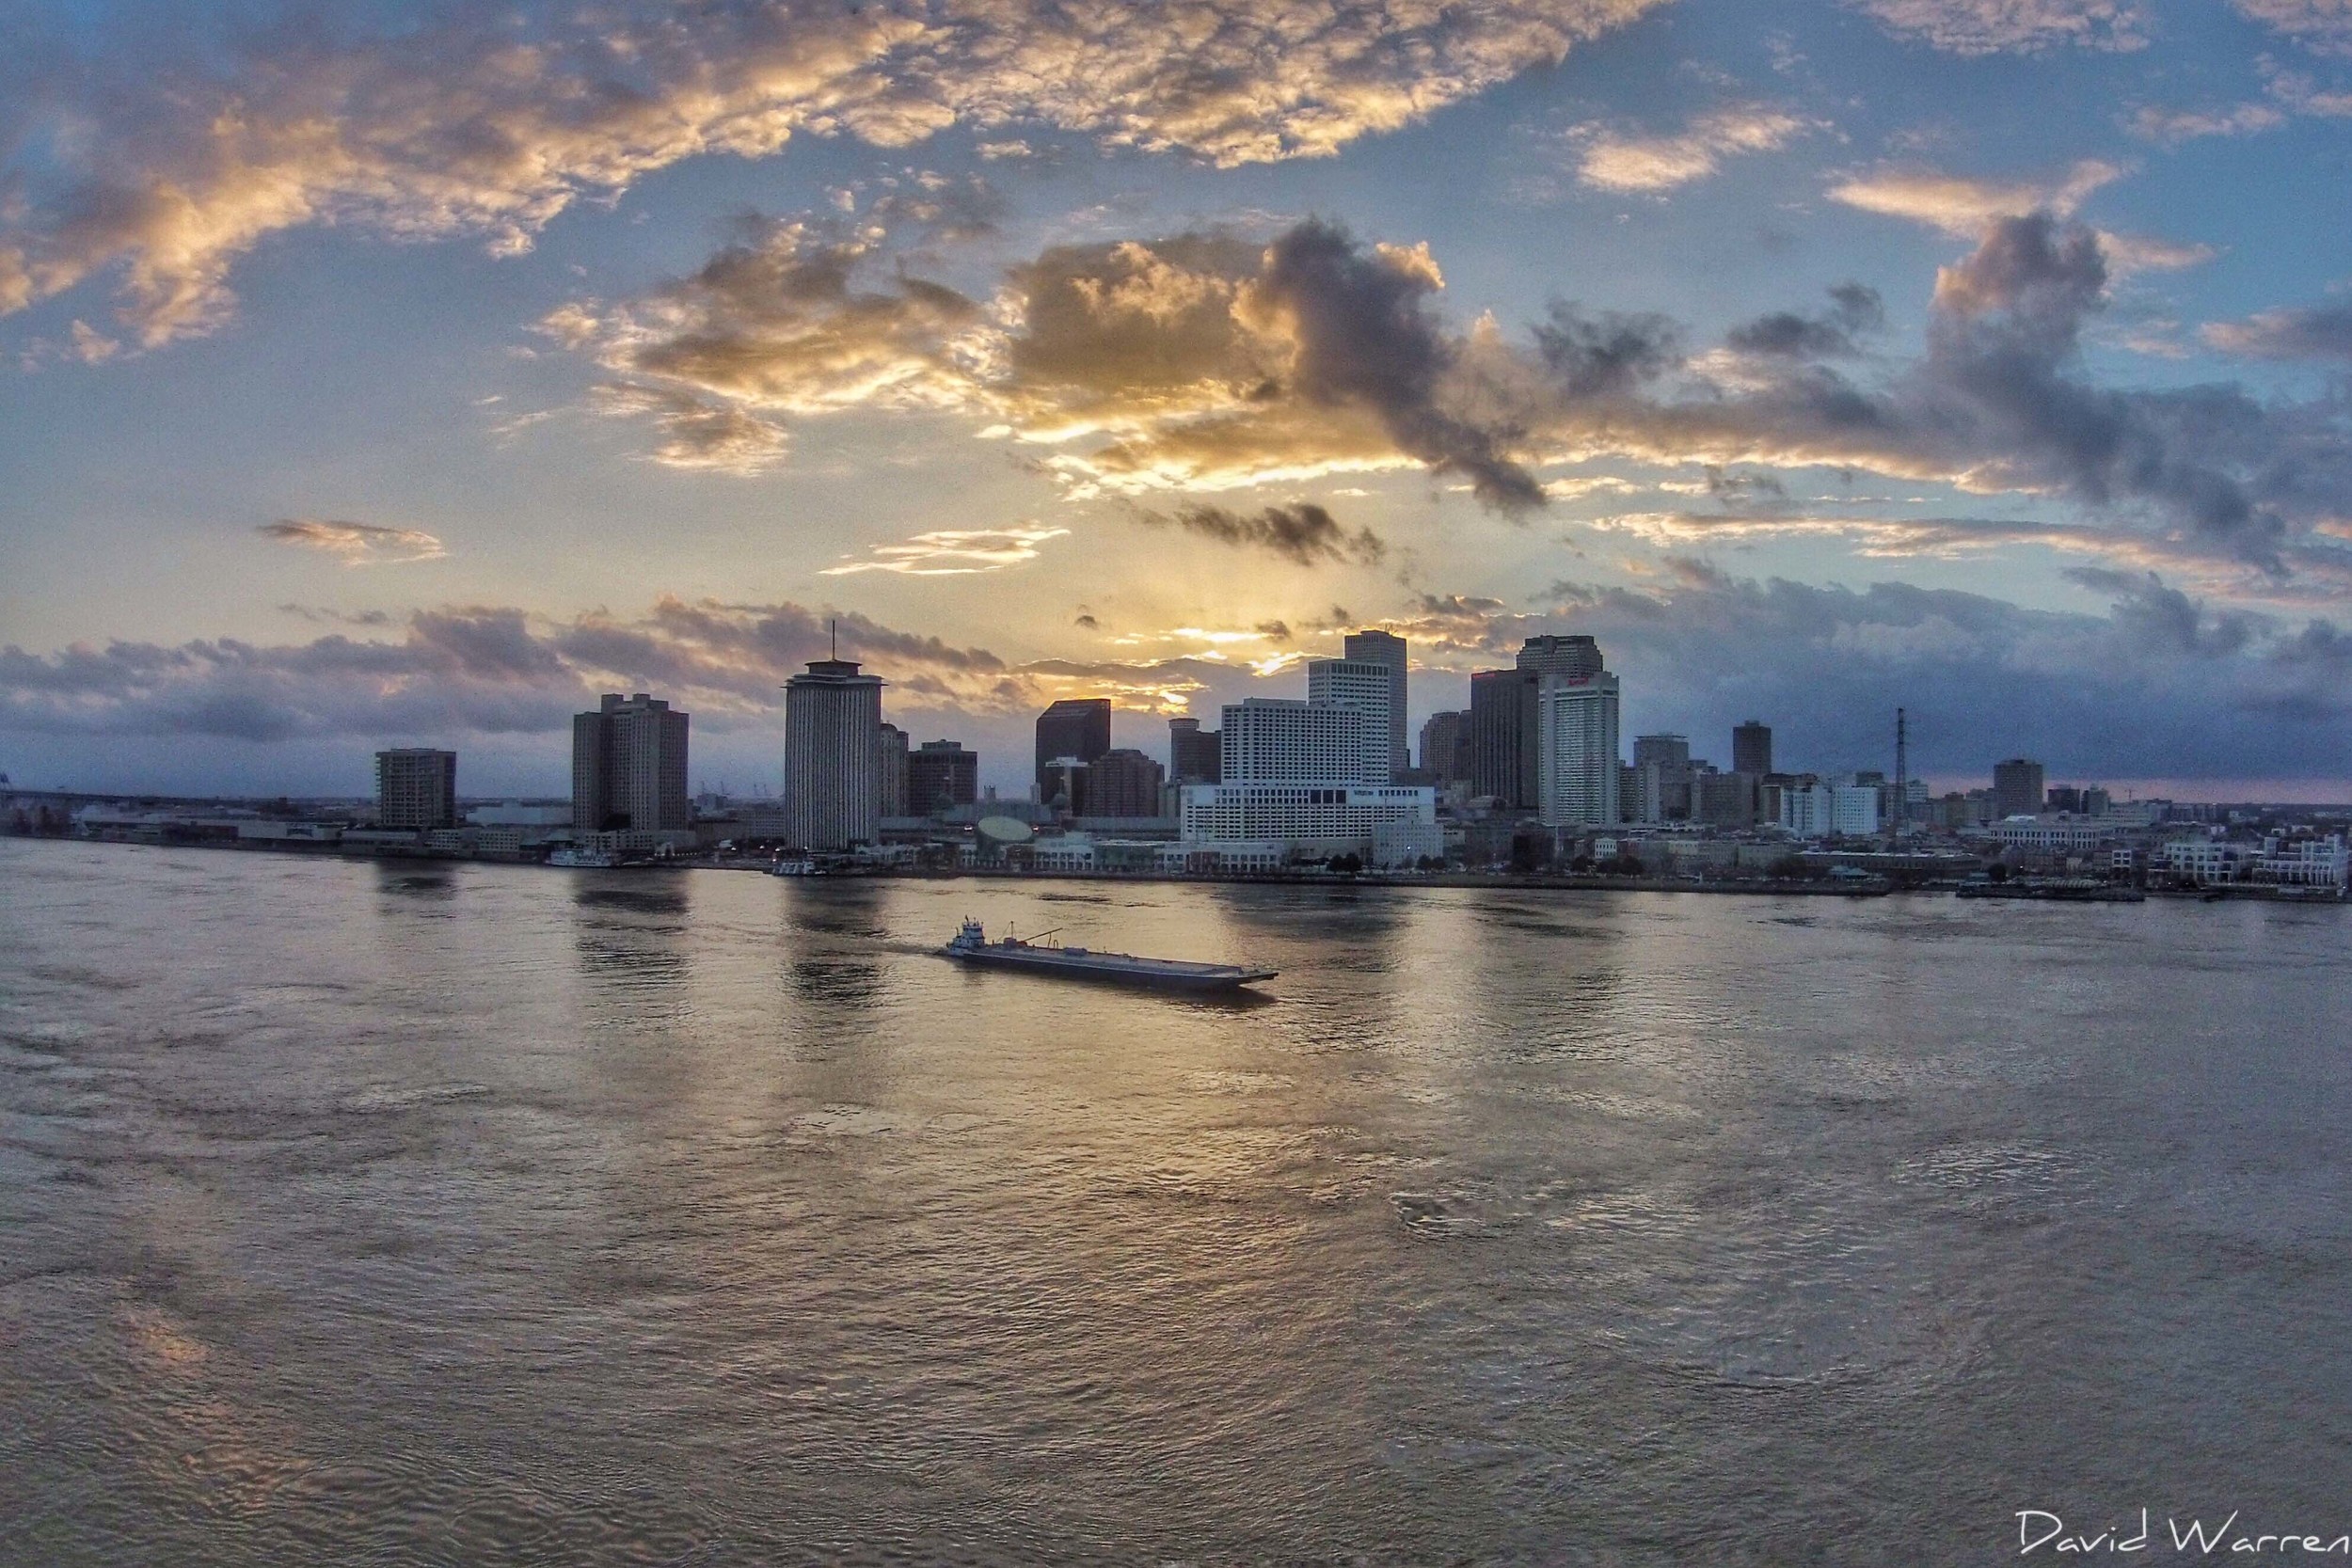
pixel 1575 773
pixel 1387 649
pixel 1368 688
pixel 1282 740
pixel 833 757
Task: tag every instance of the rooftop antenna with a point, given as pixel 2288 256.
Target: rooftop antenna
pixel 835 624
pixel 1902 771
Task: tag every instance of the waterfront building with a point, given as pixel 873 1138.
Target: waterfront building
pixel 941 776
pixel 1078 727
pixel 1502 736
pixel 832 756
pixel 1752 748
pixel 416 787
pixel 2304 861
pixel 1577 755
pixel 1725 799
pixel 2017 787
pixel 892 764
pixel 1192 753
pixel 1123 782
pixel 1811 809
pixel 1445 747
pixel 2204 861
pixel 1282 740
pixel 629 766
pixel 2057 831
pixel 1388 824
pixel 1368 689
pixel 1386 650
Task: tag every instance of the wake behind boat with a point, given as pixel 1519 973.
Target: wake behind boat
pixel 972 946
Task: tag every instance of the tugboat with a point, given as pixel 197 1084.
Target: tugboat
pixel 972 946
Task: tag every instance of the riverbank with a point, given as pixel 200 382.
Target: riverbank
pixel 1826 887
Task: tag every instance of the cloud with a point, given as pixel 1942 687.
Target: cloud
pixel 1977 27
pixel 2323 26
pixel 2172 127
pixel 2311 332
pixel 1619 161
pixel 1204 362
pixel 2160 685
pixel 179 152
pixel 358 543
pixel 955 553
pixel 1854 312
pixel 1964 207
pixel 1201 360
pixel 1302 531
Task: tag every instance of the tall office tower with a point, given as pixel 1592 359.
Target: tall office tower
pixel 1062 785
pixel 2016 787
pixel 831 756
pixel 1387 649
pixel 1369 690
pixel 628 766
pixel 1073 727
pixel 1662 763
pixel 1752 748
pixel 1672 749
pixel 1561 655
pixel 416 787
pixel 892 774
pixel 1282 740
pixel 1724 800
pixel 1124 783
pixel 1502 736
pixel 1192 754
pixel 942 775
pixel 1445 746
pixel 1577 770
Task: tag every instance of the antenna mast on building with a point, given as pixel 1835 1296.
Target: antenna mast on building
pixel 1902 771
pixel 836 624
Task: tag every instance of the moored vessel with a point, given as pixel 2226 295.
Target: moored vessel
pixel 970 946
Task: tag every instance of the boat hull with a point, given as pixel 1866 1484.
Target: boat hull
pixel 1105 971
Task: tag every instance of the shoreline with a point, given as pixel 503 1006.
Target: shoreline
pixel 1873 887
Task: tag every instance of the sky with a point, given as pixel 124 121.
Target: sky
pixel 380 375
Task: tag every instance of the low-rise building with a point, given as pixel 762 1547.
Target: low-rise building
pixel 1313 818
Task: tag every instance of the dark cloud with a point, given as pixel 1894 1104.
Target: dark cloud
pixel 1302 531
pixel 1364 334
pixel 2314 332
pixel 1854 310
pixel 2161 687
pixel 1607 355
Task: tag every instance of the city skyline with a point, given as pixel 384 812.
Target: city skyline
pixel 1753 349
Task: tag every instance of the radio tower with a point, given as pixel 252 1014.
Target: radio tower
pixel 1902 772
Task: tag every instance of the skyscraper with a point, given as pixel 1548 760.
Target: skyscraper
pixel 893 775
pixel 1661 765
pixel 1076 727
pixel 1122 781
pixel 416 787
pixel 1192 753
pixel 1445 746
pixel 1388 650
pixel 1368 688
pixel 1502 736
pixel 1282 740
pixel 831 756
pixel 1752 748
pixel 941 774
pixel 2016 787
pixel 1577 768
pixel 1552 655
pixel 629 766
